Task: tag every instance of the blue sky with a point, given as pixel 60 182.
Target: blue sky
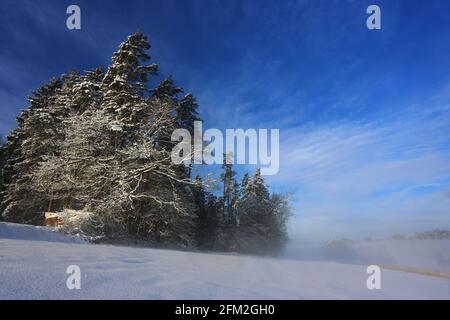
pixel 363 115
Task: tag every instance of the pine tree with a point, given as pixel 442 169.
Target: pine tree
pixel 167 90
pixel 86 92
pixel 229 204
pixel 187 113
pixel 209 212
pixel 46 126
pixel 244 183
pixel 157 197
pixel 110 161
pixel 2 165
pixel 228 179
pixel 125 83
pixel 81 173
pixel 166 94
pixel 213 213
pixel 262 217
pixel 254 219
pixel 26 147
pixel 202 227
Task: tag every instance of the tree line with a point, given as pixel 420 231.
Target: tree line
pixel 100 142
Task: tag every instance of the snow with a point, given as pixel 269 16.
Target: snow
pixel 26 232
pixel 35 268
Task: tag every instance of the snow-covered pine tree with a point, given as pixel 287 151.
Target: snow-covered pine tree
pixel 77 94
pixel 255 210
pixel 213 213
pixel 228 179
pixel 262 217
pixel 81 173
pixel 125 83
pixel 41 128
pixel 209 213
pixel 26 147
pixel 186 115
pixel 167 90
pixel 166 93
pixel 162 205
pixel 134 190
pixel 86 92
pixel 201 222
pixel 2 165
pixel 244 183
pixel 228 223
pixel 159 201
pixel 110 162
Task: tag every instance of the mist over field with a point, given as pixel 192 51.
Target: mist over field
pixel 416 253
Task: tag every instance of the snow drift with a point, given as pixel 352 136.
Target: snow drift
pixel 26 232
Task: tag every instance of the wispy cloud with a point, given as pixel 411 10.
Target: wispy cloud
pixel 387 173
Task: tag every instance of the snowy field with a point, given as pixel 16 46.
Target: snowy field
pixel 33 263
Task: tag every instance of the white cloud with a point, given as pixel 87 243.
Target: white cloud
pixel 351 177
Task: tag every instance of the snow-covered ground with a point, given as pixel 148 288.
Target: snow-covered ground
pixel 35 268
pixel 26 232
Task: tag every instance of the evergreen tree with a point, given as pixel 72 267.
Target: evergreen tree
pixel 25 149
pixel 167 90
pixel 43 129
pixel 109 162
pixel 228 180
pixel 213 213
pixel 2 165
pixel 254 220
pixel 229 204
pixel 160 202
pixel 209 212
pixel 203 226
pixel 244 183
pixel 125 83
pixel 187 113
pixel 86 92
pixel 166 94
pixel 262 217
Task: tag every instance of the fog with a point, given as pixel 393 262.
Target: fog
pixel 430 254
